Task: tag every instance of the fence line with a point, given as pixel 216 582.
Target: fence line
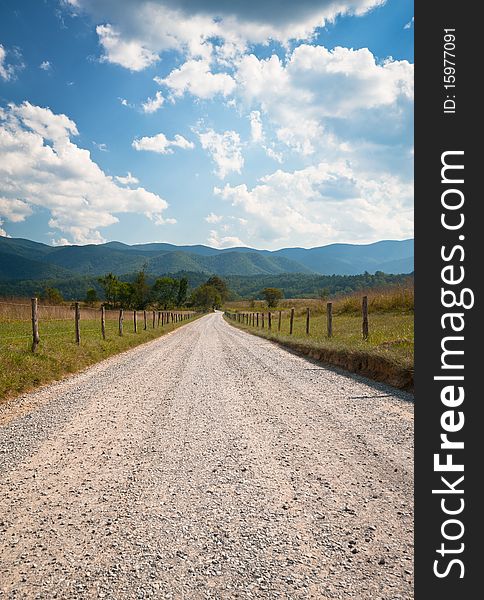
pixel 252 319
pixel 20 315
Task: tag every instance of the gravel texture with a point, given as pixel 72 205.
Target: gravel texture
pixel 208 463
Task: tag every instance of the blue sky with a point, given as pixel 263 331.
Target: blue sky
pixel 202 121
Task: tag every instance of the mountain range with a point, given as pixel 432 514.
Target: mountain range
pixel 22 259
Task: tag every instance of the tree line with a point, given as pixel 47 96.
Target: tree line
pixel 164 294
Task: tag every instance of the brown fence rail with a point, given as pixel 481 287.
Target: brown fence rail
pixel 34 321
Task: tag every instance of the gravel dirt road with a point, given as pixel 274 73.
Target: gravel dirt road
pixel 207 464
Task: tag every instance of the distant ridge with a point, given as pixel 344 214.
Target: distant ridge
pixel 25 259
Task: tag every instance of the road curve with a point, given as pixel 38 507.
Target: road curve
pixel 208 463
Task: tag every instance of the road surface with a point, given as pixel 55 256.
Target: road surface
pixel 208 463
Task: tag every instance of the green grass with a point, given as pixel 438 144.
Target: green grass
pixel 387 355
pixel 391 334
pixel 58 354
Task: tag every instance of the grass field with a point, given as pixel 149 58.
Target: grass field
pixel 58 354
pixel 387 354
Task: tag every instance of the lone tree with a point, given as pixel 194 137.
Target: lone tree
pixel 165 292
pixel 206 296
pixel 272 296
pixel 52 296
pixel 91 297
pixel 221 286
pixel 182 291
pixel 110 284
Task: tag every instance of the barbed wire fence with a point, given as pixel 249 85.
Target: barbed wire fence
pixel 31 323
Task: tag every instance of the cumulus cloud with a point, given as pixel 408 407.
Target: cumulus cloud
pixel 152 104
pixel 8 69
pixel 134 32
pixel 317 91
pixel 42 167
pixel 195 77
pixel 227 241
pixel 3 233
pixel 45 65
pixel 224 149
pixel 130 54
pixel 14 210
pixel 322 204
pixel 161 144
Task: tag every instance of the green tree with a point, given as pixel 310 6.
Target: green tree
pixel 206 296
pixel 182 291
pixel 272 296
pixel 220 285
pixel 91 297
pixel 52 296
pixel 110 284
pixel 141 291
pixel 126 297
pixel 164 292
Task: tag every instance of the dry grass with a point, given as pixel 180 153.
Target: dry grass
pixel 391 327
pixel 394 299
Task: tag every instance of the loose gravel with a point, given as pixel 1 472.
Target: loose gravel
pixel 208 463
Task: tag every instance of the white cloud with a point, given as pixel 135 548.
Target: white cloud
pixel 323 204
pixel 271 153
pixel 7 70
pixel 3 233
pixel 153 104
pixel 45 65
pixel 195 77
pixel 134 32
pixel 128 180
pixel 409 25
pixel 161 144
pixel 41 166
pixel 213 218
pixel 317 92
pixel 225 150
pixel 256 131
pixel 227 241
pixel 130 54
pixel 14 210
pixel 60 242
pixel 102 146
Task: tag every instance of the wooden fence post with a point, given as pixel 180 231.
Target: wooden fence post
pixel 329 317
pixel 269 320
pixel 135 321
pixel 103 321
pixel 279 321
pixel 307 321
pixel 154 319
pixel 35 325
pixel 291 321
pixel 364 307
pixel 159 317
pixel 144 320
pixel 120 322
pixel 262 320
pixel 257 315
pixel 77 320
